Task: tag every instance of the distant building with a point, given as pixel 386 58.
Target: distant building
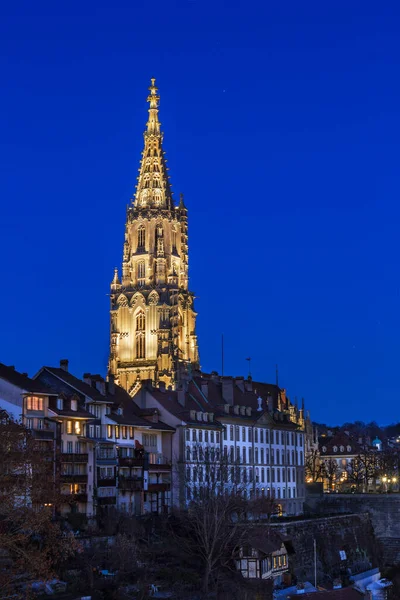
pixel 263 557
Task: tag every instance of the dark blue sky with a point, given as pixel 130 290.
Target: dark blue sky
pixel 282 128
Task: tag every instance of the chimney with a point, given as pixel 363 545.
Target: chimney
pixel 226 408
pixel 240 383
pixel 101 386
pixel 211 417
pixel 236 409
pixel 64 364
pixel 204 388
pixel 214 376
pixel 227 390
pixel 111 385
pixel 248 411
pixel 259 404
pixel 242 410
pixel 181 397
pixel 248 384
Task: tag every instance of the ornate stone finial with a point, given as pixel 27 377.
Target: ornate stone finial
pixel 116 281
pixel 153 98
pixel 181 201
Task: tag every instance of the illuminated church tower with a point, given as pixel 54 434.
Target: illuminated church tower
pixel 152 314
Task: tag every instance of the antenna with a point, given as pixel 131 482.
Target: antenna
pixel 249 359
pixel 222 354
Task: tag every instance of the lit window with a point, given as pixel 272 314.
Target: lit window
pixel 117 431
pixel 109 431
pixel 141 237
pixel 131 433
pixel 77 427
pixel 69 426
pixel 141 271
pixel 34 403
pixel 124 432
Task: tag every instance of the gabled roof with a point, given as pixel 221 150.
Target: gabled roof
pixel 21 380
pixel 340 440
pixel 75 383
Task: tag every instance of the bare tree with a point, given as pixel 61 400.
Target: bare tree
pixel 314 466
pixel 31 542
pixel 211 529
pixel 331 472
pixel 356 473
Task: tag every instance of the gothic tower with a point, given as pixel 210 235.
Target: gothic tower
pixel 152 314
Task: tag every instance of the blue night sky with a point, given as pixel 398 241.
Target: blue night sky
pixel 282 128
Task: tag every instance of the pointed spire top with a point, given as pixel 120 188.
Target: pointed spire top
pixel 181 201
pixel 153 125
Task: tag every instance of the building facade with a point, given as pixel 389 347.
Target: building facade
pixel 153 322
pixel 233 435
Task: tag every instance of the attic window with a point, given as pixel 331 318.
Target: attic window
pixel 335 448
pixel 323 448
pixel 60 403
pixel 348 448
pixel 119 411
pixel 74 405
pixel 341 448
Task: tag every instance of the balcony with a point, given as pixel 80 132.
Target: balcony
pixel 68 478
pixel 106 501
pixel 43 434
pixel 106 458
pixel 106 482
pixel 129 461
pixel 73 498
pixel 76 458
pixel 130 484
pixel 159 487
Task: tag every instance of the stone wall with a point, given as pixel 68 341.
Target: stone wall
pixel 384 510
pixel 352 533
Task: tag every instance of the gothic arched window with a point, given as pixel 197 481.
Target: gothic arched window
pixel 141 238
pixel 140 346
pixel 141 272
pixel 140 321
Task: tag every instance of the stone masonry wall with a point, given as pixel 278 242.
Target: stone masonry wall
pixel 352 533
pixel 384 510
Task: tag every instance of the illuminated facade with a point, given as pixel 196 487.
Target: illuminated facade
pixel 152 314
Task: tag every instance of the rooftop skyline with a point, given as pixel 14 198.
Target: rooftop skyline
pixel 281 128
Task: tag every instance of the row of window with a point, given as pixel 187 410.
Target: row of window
pixel 245 434
pixel 245 455
pixel 34 403
pixel 236 475
pixel 335 448
pixel 198 435
pixel 194 492
pixel 120 431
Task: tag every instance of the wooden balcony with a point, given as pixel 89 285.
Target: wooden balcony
pixel 68 478
pixel 76 458
pixel 159 487
pixel 107 482
pixel 106 501
pixel 127 461
pixel 130 484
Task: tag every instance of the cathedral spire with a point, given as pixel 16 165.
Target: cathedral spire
pixel 153 125
pixel 153 189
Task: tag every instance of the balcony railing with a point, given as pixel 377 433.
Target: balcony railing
pixel 107 482
pixel 131 484
pixel 68 478
pixel 72 498
pixel 128 461
pixel 106 501
pixel 76 458
pixel 106 458
pixel 159 487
